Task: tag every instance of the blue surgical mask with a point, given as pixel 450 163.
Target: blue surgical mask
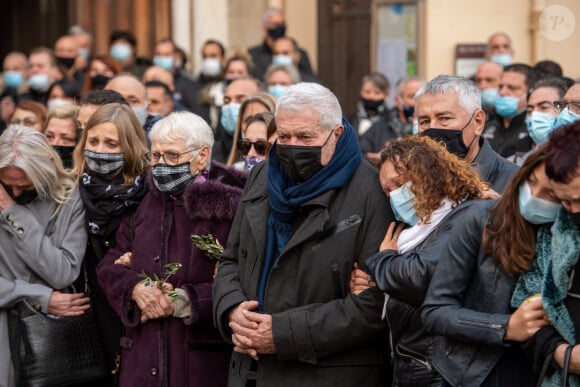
pixel 165 62
pixel 13 79
pixel 402 202
pixel 536 210
pixel 502 59
pixel 120 51
pixel 540 125
pixel 415 127
pixel 84 52
pixel 277 90
pixel 488 97
pixel 141 113
pixel 229 117
pixel 39 82
pixel 506 106
pixel 282 60
pixel 566 117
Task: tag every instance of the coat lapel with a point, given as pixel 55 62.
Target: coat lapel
pixel 314 223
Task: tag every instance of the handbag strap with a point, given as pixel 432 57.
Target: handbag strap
pixel 545 366
pixel 20 337
pixel 566 366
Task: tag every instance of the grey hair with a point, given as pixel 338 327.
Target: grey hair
pixel 309 95
pixel 29 150
pixel 290 70
pixel 270 11
pixel 402 82
pixel 183 126
pixel 469 96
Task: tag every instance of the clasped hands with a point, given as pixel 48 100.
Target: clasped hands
pixel 152 301
pixel 252 331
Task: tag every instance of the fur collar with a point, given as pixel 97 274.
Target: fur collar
pixel 215 199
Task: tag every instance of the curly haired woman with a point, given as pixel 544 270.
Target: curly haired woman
pixel 427 187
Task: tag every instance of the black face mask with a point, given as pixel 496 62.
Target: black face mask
pixel 24 197
pixel 300 162
pixel 277 32
pixel 453 139
pixel 65 62
pixel 66 155
pixel 408 112
pixel 372 105
pixel 576 219
pixel 99 81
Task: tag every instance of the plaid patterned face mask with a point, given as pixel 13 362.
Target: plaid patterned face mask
pixel 172 179
pixel 105 164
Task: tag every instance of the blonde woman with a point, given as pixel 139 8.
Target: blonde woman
pixel 61 131
pixel 42 238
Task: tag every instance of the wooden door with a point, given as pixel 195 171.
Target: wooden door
pixel 344 35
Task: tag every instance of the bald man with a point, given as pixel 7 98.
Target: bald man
pixel 136 95
pixel 487 80
pixel 499 49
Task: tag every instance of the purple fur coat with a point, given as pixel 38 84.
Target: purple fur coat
pixel 173 351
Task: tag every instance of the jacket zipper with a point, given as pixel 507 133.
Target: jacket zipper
pixel 423 362
pixel 390 332
pixel 480 324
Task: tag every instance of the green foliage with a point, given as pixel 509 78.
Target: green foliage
pixel 209 245
pixel 170 269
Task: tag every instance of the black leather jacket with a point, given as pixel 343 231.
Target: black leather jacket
pixel 405 278
pixel 493 168
pixel 468 303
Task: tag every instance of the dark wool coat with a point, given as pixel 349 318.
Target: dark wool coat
pixel 173 351
pixel 323 334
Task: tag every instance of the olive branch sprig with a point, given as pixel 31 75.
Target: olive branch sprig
pixel 170 269
pixel 209 244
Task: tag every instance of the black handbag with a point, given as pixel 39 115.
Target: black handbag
pixel 53 351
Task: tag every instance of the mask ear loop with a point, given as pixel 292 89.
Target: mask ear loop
pixel 474 135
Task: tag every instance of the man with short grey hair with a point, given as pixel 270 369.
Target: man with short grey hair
pixel 308 214
pixel 449 110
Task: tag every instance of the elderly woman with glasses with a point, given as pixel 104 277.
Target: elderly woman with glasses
pixel 169 334
pixel 31 114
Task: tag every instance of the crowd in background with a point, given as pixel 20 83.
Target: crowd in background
pixel 429 243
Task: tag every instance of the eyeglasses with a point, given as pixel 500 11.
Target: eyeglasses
pixel 26 121
pixel 170 157
pixel 260 146
pixel 574 106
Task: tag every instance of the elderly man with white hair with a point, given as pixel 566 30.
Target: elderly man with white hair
pixel 169 335
pixel 309 214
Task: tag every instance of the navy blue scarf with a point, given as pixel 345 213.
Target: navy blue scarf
pixel 286 196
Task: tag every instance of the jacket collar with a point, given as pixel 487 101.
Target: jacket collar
pixel 486 161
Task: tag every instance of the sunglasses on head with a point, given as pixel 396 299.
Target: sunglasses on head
pixel 261 146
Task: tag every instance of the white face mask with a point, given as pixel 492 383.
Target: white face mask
pixel 211 67
pixel 57 102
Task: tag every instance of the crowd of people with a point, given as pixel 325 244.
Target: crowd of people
pixel 429 243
